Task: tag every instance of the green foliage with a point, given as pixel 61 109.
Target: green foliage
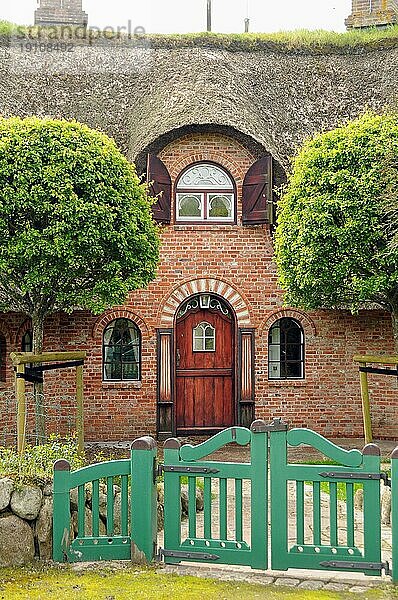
pixel 75 222
pixel 332 240
pixel 36 463
pixel 6 28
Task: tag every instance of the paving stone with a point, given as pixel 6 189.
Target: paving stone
pixel 287 581
pixel 336 587
pixel 358 589
pixel 311 584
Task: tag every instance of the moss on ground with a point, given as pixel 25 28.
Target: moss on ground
pixel 301 40
pixel 123 583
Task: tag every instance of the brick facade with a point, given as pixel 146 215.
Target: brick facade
pixel 372 13
pixel 237 263
pixel 61 12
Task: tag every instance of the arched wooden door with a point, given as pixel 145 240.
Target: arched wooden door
pixel 205 366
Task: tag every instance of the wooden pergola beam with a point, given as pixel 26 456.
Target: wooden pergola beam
pixel 19 361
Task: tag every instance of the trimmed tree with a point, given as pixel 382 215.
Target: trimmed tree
pixel 76 229
pixel 333 239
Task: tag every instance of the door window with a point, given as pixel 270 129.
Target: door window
pixel 204 338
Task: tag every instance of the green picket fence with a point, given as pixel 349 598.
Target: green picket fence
pixel 244 492
pixel 137 508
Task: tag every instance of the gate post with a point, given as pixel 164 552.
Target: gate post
pixel 394 514
pixel 279 520
pixel 143 499
pixel 259 495
pixel 61 510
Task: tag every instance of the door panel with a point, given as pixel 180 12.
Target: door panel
pixel 204 379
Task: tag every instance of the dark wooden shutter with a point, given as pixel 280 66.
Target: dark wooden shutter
pixel 257 193
pixel 159 181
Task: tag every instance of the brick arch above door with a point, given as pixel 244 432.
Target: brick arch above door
pixel 204 285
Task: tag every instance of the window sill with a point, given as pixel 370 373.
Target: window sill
pixel 122 385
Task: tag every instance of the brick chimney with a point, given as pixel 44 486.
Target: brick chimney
pixel 61 12
pixel 372 13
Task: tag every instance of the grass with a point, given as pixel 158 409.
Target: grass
pixel 301 40
pixel 104 583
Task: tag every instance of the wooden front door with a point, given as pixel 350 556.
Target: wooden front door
pixel 205 357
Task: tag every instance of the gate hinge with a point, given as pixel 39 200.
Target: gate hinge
pixel 185 555
pixel 185 470
pixel 364 566
pixel 365 476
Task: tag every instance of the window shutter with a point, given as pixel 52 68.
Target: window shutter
pixel 257 203
pixel 159 181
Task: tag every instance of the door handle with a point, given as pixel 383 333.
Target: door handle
pixel 178 358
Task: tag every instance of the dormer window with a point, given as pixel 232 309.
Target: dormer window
pixel 205 193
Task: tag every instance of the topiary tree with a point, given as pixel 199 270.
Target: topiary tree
pixel 76 229
pixel 333 240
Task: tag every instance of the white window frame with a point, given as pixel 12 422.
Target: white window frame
pixel 180 196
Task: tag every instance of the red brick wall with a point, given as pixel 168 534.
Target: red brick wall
pixel 327 400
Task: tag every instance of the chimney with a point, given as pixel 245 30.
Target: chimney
pixel 61 12
pixel 372 13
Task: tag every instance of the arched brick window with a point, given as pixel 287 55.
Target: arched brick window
pixel 121 351
pixel 286 350
pixel 205 192
pixel 3 357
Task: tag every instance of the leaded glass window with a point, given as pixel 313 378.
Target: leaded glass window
pixel 205 192
pixel 122 351
pixel 204 338
pixel 190 206
pixel 286 350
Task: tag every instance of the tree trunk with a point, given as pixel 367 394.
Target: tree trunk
pixel 40 417
pixel 394 318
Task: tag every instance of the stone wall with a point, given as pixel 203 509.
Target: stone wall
pixel 26 514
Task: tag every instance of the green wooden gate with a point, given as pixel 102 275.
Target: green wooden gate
pixel 130 516
pixel 315 485
pixel 214 544
pixel 326 545
pixel 234 526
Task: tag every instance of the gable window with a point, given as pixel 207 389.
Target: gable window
pixel 286 350
pixel 122 351
pixel 3 357
pixel 205 192
pixel 204 338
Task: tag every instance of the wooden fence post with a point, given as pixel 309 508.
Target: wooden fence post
pixel 61 510
pixel 367 423
pixel 143 499
pixel 394 514
pixel 259 494
pixel 21 407
pixel 79 409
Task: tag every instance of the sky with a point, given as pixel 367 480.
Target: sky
pixel 182 16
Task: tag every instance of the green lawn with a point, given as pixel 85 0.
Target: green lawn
pixel 125 583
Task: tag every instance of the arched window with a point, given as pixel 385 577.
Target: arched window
pixel 286 350
pixel 204 338
pixel 3 357
pixel 205 192
pixel 122 351
pixel 27 342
